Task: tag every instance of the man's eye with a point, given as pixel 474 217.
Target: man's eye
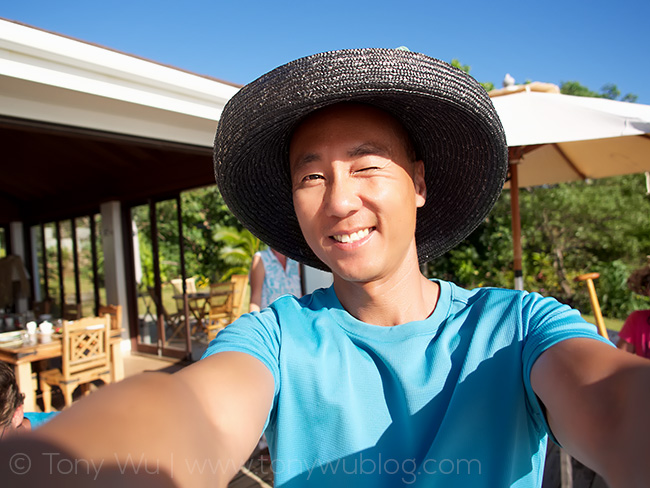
pixel 312 177
pixel 367 168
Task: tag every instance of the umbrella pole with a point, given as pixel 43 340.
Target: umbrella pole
pixel 516 224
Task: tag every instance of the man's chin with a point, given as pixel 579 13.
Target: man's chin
pixel 355 269
pixel 354 274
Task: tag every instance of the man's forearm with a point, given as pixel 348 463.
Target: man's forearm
pixel 148 429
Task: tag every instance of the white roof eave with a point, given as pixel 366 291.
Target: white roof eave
pixel 66 64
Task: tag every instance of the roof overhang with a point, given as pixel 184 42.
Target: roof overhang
pixel 80 119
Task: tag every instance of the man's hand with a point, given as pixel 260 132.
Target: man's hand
pixel 597 399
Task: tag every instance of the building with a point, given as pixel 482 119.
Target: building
pixel 89 133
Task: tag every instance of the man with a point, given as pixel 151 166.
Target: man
pixel 368 163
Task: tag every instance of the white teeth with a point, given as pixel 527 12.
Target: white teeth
pixel 355 236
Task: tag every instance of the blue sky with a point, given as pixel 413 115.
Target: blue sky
pixel 594 42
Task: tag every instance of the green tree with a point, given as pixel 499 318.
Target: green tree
pixel 463 67
pixel 609 91
pixel 204 211
pixel 567 230
pixel 587 226
pixel 466 68
pixel 237 251
pixel 485 257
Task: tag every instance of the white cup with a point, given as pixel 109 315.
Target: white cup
pixel 45 327
pixel 31 327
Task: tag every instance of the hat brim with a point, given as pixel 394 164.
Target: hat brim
pixel 450 118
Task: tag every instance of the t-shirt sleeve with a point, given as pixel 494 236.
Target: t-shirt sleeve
pixel 548 322
pixel 257 334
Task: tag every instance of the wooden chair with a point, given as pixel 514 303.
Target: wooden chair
pixel 117 364
pixel 190 284
pixel 115 311
pixel 220 307
pixel 71 311
pixel 240 284
pixel 190 287
pixel 86 358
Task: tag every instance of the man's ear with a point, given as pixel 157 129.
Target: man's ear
pixel 420 184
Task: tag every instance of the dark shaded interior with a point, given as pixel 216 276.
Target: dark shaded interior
pixel 52 172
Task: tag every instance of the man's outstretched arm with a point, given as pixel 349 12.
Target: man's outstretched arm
pixel 597 399
pixel 193 428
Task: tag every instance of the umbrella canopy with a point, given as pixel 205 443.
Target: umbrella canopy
pixel 556 138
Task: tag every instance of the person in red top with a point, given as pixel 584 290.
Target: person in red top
pixel 635 334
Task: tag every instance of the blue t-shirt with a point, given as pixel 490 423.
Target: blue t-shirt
pixel 36 419
pixel 442 402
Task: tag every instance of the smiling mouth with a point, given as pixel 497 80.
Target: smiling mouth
pixel 355 236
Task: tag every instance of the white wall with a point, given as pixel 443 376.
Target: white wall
pixel 315 278
pixel 114 258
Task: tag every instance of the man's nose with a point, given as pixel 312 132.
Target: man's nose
pixel 341 197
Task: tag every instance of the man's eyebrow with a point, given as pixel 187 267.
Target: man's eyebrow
pixel 304 160
pixel 369 148
pixel 360 150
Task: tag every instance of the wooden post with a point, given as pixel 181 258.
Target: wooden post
pixel 516 225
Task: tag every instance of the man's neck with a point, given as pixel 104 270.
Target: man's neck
pixel 391 302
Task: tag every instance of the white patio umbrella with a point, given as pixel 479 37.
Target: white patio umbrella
pixel 555 138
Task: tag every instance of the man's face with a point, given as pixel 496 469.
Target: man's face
pixel 356 191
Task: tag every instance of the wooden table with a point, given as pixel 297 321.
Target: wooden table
pixel 197 302
pixel 23 354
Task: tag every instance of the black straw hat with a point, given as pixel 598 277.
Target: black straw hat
pixel 450 118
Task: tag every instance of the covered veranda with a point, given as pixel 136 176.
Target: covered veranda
pixel 89 134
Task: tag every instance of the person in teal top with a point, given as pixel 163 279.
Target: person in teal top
pixel 369 163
